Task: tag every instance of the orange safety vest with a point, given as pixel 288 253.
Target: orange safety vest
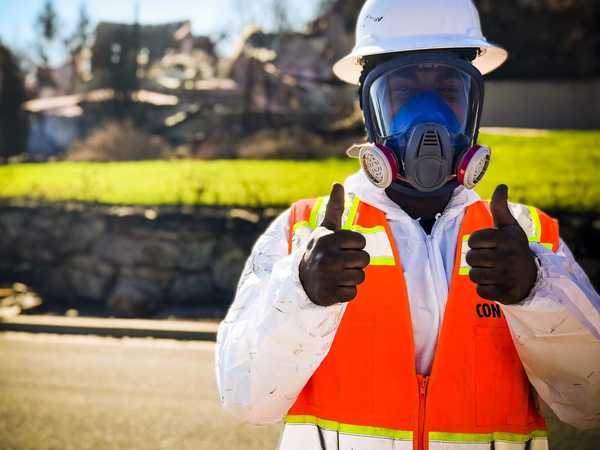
pixel 366 393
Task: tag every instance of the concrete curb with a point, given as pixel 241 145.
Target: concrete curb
pixel 159 329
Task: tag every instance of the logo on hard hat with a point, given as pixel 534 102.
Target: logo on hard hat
pixel 373 18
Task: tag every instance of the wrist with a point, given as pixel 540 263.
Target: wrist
pixel 538 274
pixel 536 282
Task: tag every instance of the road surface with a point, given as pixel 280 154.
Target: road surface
pixel 85 392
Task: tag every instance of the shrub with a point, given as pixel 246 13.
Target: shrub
pixel 119 142
pixel 286 143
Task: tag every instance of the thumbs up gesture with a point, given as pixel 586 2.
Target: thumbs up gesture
pixel 333 263
pixel 502 265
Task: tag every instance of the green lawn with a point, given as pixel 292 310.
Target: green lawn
pixel 554 170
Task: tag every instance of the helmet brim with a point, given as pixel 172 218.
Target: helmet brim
pixel 489 58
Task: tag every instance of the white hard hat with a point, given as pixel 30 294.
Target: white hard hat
pixel 389 26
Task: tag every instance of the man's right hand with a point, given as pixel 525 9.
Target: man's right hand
pixel 333 264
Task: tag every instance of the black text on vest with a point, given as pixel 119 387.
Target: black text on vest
pixel 488 310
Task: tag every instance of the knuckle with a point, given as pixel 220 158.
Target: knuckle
pixel 348 293
pixel 342 296
pixel 473 275
pixel 481 291
pixel 360 239
pixel 475 258
pixel 355 276
pixel 474 239
pixel 365 258
pixel 361 276
pixel 476 275
pixel 470 258
pixel 479 235
pixel 353 238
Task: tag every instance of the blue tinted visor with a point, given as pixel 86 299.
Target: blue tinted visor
pixel 423 93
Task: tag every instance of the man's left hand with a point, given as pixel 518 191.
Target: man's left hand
pixel 502 264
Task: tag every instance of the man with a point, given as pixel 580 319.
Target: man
pixel 403 312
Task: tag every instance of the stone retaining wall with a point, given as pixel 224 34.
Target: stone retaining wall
pixel 135 261
pixel 132 261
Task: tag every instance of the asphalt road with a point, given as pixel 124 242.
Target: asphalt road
pixel 85 392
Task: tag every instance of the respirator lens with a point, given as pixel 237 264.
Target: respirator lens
pixel 423 93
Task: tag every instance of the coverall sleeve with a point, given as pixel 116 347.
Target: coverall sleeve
pixel 556 331
pixel 273 337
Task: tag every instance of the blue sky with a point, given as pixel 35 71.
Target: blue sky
pixel 17 17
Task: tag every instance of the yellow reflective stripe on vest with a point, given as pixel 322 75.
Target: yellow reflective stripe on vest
pixel 536 444
pixel 400 435
pixel 352 210
pixel 382 261
pixel 529 220
pixel 364 230
pixel 486 437
pixel 536 440
pixel 378 245
pixel 314 213
pixel 537 226
pixel 464 268
pixel 303 436
pixel 303 224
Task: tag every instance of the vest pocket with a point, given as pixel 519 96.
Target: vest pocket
pixel 501 386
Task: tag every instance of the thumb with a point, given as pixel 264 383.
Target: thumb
pixel 335 208
pixel 499 207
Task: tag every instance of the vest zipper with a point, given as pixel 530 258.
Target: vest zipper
pixel 421 441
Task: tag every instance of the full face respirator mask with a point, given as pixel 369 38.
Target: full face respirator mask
pixel 422 114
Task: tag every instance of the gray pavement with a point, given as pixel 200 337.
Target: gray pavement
pixel 85 392
pixel 62 392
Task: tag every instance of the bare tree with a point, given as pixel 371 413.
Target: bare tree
pixel 14 125
pixel 78 41
pixel 47 21
pixel 281 18
pixel 80 38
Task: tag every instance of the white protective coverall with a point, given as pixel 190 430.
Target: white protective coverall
pixel 273 337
